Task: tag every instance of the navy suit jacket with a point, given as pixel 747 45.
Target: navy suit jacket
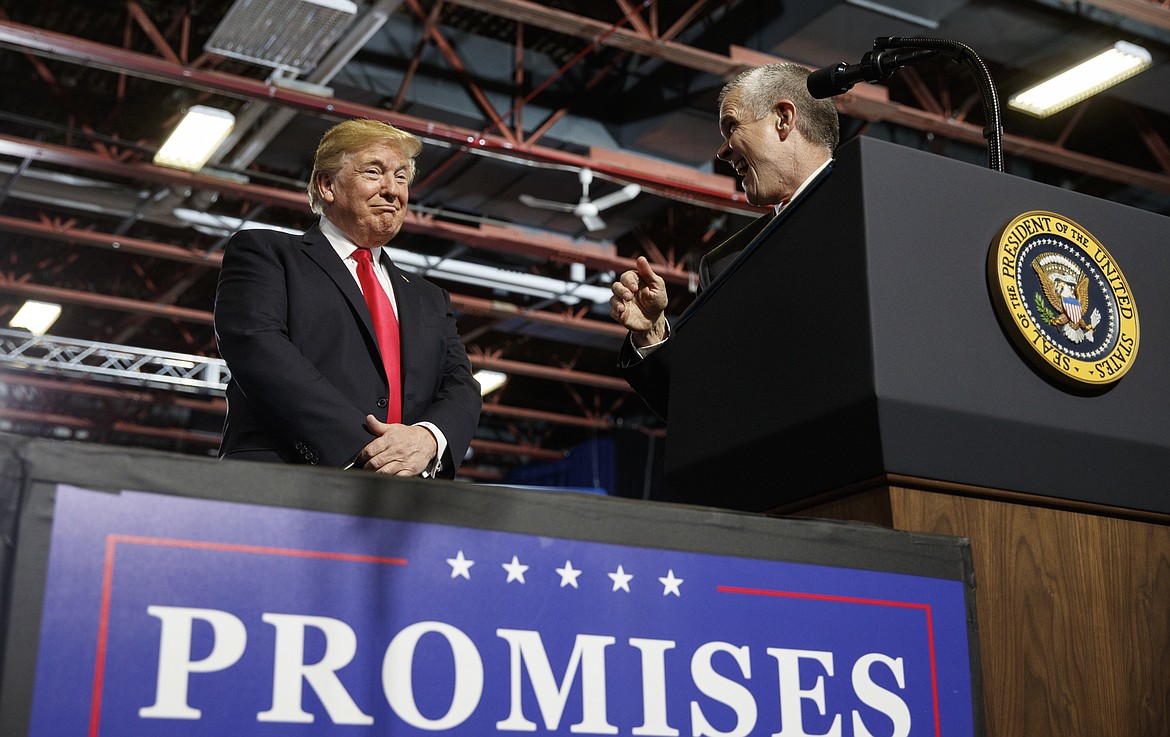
pixel 296 334
pixel 650 377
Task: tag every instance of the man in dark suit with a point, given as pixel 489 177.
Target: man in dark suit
pixel 339 358
pixel 779 140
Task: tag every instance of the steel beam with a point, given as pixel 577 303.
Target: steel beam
pixel 546 246
pixel 107 241
pixel 505 310
pixel 668 180
pixel 205 317
pixel 590 29
pixel 103 301
pixel 551 373
pixel 859 103
pixel 875 111
pixel 218 406
pixel 211 405
pixel 473 89
pixel 532 452
pixel 553 418
pixel 495 447
pixel 479 473
pixel 463 303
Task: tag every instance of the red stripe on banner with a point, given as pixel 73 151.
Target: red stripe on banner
pixel 260 550
pixel 872 602
pixel 112 541
pixel 95 711
pixel 933 670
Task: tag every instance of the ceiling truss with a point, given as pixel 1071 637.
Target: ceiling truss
pixel 505 137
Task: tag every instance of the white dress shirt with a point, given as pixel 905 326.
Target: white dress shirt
pixel 345 248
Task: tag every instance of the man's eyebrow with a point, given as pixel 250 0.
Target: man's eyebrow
pixel 381 164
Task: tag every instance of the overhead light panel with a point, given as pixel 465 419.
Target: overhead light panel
pixel 1120 62
pixel 489 381
pixel 201 131
pixel 36 317
pixel 291 35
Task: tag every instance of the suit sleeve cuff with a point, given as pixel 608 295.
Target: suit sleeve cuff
pixel 646 350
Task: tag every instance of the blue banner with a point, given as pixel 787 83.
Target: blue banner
pixel 166 615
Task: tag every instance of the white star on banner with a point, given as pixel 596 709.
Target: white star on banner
pixel 670 584
pixel 460 566
pixel 621 579
pixel 515 570
pixel 568 575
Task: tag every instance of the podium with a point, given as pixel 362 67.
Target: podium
pixel 854 367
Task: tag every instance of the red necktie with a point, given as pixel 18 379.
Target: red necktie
pixel 385 327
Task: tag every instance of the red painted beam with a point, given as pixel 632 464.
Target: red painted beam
pixel 549 246
pixel 463 303
pixel 668 180
pixel 551 373
pixel 517 449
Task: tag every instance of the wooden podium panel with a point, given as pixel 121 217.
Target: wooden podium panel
pixel 1073 601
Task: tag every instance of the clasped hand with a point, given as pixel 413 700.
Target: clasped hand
pixel 402 450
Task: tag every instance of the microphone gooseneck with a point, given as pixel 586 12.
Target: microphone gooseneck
pixel 891 53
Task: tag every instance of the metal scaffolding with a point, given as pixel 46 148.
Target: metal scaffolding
pixel 20 350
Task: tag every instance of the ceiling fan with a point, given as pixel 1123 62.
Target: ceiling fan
pixel 586 209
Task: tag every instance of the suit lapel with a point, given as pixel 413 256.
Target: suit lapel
pixel 317 247
pixel 741 245
pixel 719 257
pixel 406 296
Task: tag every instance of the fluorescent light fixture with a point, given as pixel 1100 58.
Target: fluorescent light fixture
pixel 201 131
pixel 489 381
pixel 290 35
pixel 1086 79
pixel 36 317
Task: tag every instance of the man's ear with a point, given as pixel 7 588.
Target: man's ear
pixel 324 185
pixel 785 111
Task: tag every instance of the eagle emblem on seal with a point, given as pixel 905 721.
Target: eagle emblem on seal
pixel 1066 290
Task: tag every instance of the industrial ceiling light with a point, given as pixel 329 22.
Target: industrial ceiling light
pixel 489 381
pixel 201 131
pixel 1119 62
pixel 36 317
pixel 291 35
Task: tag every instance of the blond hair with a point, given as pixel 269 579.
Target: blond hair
pixel 344 139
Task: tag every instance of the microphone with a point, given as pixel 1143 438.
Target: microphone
pixel 884 60
pixel 874 66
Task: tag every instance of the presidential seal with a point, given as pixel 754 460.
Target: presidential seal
pixel 1063 299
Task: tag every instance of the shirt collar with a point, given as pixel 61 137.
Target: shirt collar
pixel 803 185
pixel 341 242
